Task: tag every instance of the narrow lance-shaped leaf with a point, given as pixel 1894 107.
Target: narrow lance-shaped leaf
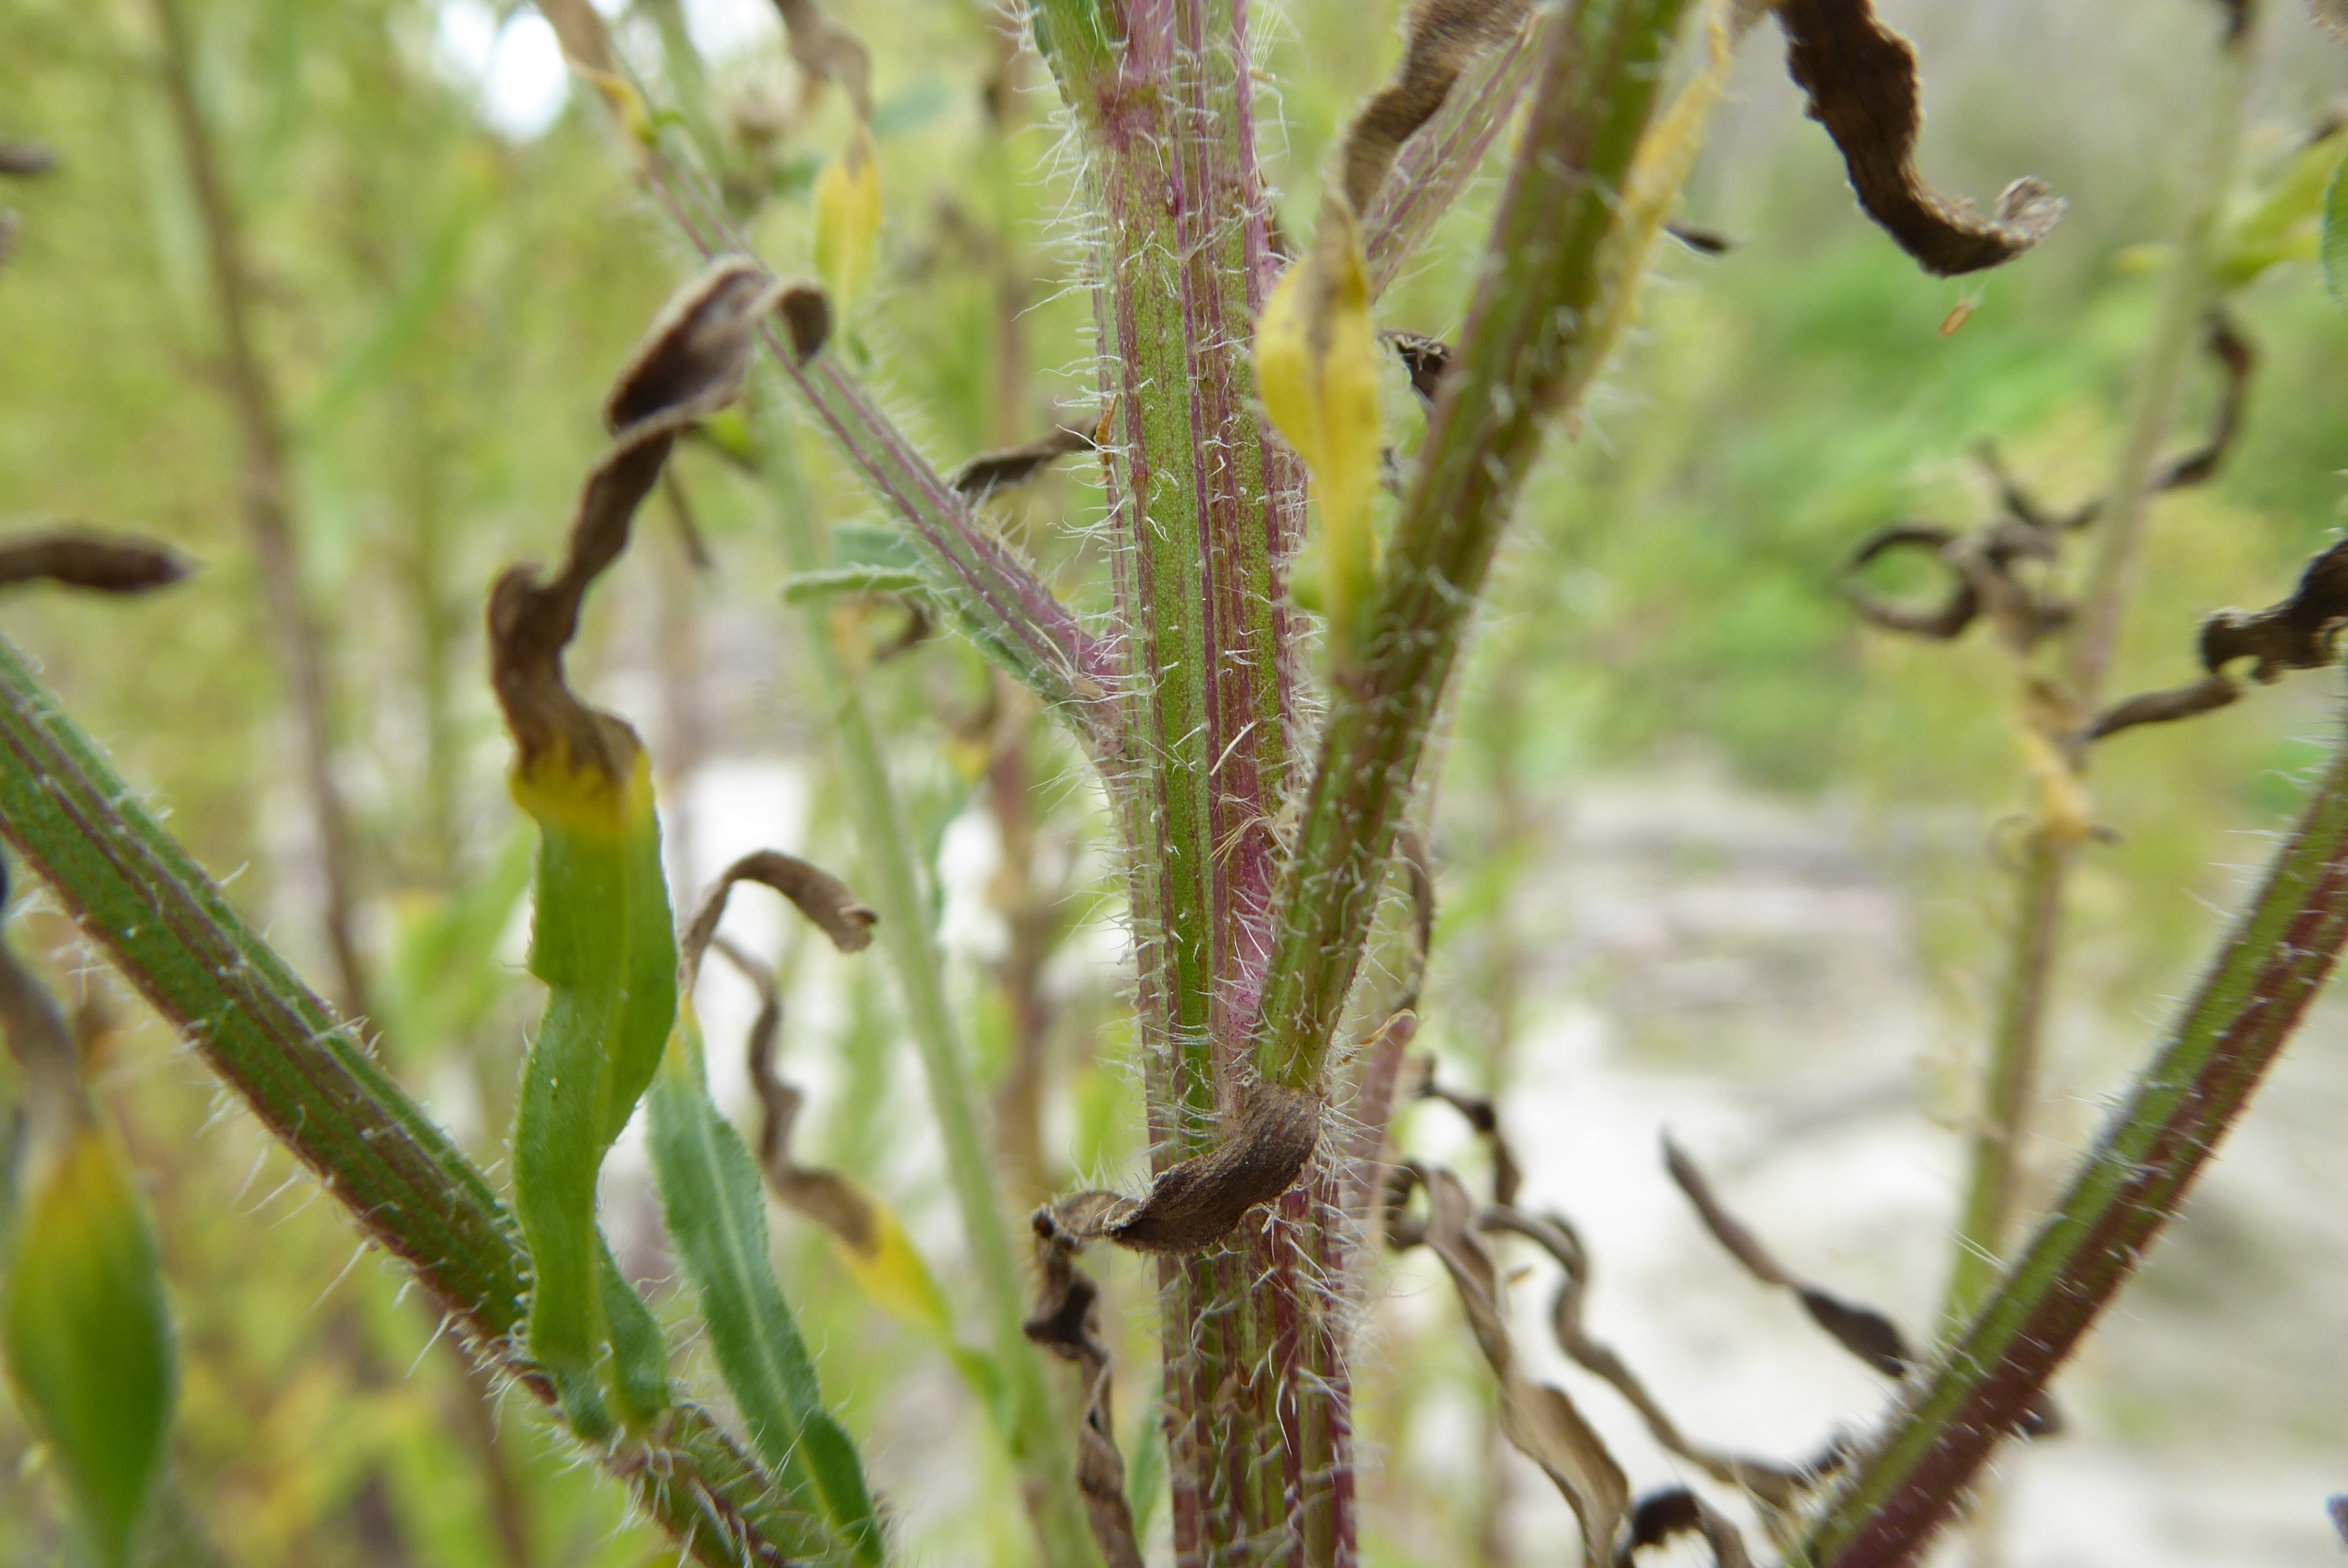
pixel 717 1222
pixel 716 1218
pixel 602 938
pixel 88 1334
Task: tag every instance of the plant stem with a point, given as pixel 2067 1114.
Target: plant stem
pixel 1041 1446
pixel 170 933
pixel 1993 1197
pixel 1542 278
pixel 1915 1477
pixel 268 508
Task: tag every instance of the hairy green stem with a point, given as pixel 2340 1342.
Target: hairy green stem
pixel 169 932
pixel 1914 1477
pixel 1993 1198
pixel 1043 1450
pixel 1543 279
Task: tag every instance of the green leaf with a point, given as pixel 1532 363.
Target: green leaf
pixel 88 1335
pixel 603 942
pixel 717 1215
pixel 2335 245
pixel 639 1349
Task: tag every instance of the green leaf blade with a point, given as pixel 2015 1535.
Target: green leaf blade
pixel 88 1335
pixel 716 1211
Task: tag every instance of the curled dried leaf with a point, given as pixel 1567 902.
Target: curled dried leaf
pixel 828 52
pixel 1660 1515
pixel 1861 80
pixel 1538 1418
pixel 1195 1202
pixel 99 563
pixel 816 893
pixel 1703 241
pixel 2302 632
pixel 1485 1118
pixel 1776 1486
pixel 992 471
pixel 1861 1330
pixel 1067 1322
pixel 1440 39
pixel 691 363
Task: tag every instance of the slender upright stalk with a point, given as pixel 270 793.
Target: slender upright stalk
pixel 1993 1198
pixel 254 400
pixel 169 932
pixel 1043 1452
pixel 1915 1477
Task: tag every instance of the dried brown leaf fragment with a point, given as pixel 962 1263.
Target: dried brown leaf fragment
pixel 1195 1202
pixel 1067 1322
pixel 1440 39
pixel 816 893
pixel 691 363
pixel 2302 632
pixel 102 563
pixel 1662 1515
pixel 1861 80
pixel 992 471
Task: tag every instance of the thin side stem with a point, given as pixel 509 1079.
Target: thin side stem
pixel 1042 1447
pixel 168 929
pixel 1914 1478
pixel 300 641
pixel 1543 280
pixel 2011 1078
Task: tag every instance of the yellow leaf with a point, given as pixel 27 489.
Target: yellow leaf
pixel 1316 369
pixel 889 1271
pixel 848 220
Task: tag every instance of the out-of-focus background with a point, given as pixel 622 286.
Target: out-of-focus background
pixel 1713 856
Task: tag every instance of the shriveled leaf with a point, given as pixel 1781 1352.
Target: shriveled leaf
pixel 848 220
pixel 1861 80
pixel 1662 1515
pixel 816 893
pixel 1195 1203
pixel 1316 371
pixel 101 563
pixel 1539 1420
pixel 1440 39
pixel 1864 1332
pixel 716 1220
pixel 828 52
pixel 867 1236
pixel 1067 1322
pixel 983 475
pixel 603 939
pixel 2302 632
pixel 89 1335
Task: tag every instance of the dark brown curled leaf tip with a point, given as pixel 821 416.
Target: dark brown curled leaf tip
pixel 1197 1202
pixel 1942 622
pixel 817 894
pixel 25 160
pixel 1659 1516
pixel 1703 241
pixel 693 360
pixel 1739 1243
pixel 1861 1330
pixel 2235 358
pixel 992 471
pixel 806 316
pixel 1441 38
pixel 1862 80
pixel 2205 695
pixel 1427 360
pixel 691 363
pixel 101 563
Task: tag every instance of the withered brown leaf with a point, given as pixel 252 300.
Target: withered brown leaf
pixel 1861 80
